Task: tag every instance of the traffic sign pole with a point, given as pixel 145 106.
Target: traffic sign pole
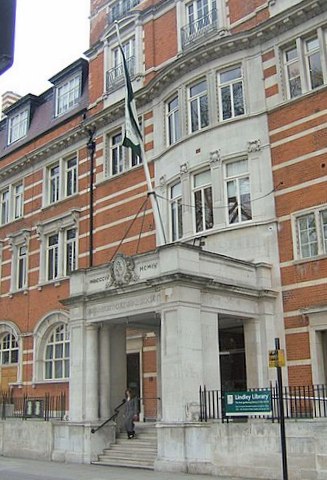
pixel 281 414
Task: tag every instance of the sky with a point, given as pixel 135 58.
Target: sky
pixel 49 36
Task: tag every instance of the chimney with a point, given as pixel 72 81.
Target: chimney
pixel 7 99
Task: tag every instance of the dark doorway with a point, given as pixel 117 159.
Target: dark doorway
pixel 232 355
pixel 133 372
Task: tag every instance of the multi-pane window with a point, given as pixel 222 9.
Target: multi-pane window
pixel 71 177
pixel 4 200
pixel 238 191
pixel 292 66
pixel 53 256
pixel 61 253
pixel 54 183
pixel 68 94
pixel 121 8
pixel 8 349
pixel 176 211
pixel 57 353
pixel 173 125
pixel 120 158
pixel 71 251
pixel 231 93
pixel 200 14
pixel 11 203
pixel 61 179
pixel 305 64
pixel 311 230
pixel 117 154
pixel 17 127
pixel 198 106
pixel 202 191
pixel 116 73
pixel 21 274
pixel 18 200
pixel 313 63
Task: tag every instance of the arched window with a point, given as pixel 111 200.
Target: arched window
pixel 57 353
pixel 8 349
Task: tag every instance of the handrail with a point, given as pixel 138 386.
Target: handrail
pixel 116 409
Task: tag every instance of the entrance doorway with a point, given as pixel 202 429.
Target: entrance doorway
pixel 133 373
pixel 232 354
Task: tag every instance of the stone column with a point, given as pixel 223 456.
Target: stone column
pixel 181 356
pixel 104 371
pixel 91 374
pixel 77 366
pixel 210 350
pixel 118 365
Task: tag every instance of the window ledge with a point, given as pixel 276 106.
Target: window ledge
pixel 52 381
pixel 64 199
pixel 56 282
pixel 317 258
pixel 9 365
pixel 23 291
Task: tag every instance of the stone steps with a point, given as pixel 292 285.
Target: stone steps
pixel 139 452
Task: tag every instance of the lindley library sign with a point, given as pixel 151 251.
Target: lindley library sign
pixel 256 402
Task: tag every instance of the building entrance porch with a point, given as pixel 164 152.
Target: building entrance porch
pixel 210 315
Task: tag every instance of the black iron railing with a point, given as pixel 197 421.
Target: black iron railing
pixel 200 27
pixel 299 402
pixel 120 8
pixel 45 407
pixel 115 76
pixel 111 419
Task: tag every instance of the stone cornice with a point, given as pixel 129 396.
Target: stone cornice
pixel 205 284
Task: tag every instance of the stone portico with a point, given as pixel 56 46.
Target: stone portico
pixel 181 292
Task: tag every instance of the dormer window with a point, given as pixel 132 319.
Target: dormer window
pixel 68 94
pixel 17 127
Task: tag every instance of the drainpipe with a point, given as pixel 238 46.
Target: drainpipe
pixel 91 149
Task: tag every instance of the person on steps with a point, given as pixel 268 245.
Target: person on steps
pixel 131 413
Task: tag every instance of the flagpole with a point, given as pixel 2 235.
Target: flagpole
pixel 153 199
pixel 137 144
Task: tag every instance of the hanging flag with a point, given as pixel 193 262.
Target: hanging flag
pixel 133 136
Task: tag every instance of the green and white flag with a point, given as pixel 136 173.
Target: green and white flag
pixel 133 136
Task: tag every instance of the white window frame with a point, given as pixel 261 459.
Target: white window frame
pixel 115 68
pixel 195 99
pixel 60 227
pixel 11 203
pixel 289 65
pixel 303 56
pixel 173 126
pixel 126 160
pixel 5 206
pixel 203 189
pixel 19 262
pixel 230 85
pixel 237 179
pixel 57 184
pixel 18 200
pixel 176 211
pixel 68 94
pixel 18 126
pixel 320 233
pixel 57 353
pixel 9 347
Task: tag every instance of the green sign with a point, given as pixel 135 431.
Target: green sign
pixel 257 402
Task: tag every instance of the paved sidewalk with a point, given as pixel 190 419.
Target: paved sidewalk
pixel 21 469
